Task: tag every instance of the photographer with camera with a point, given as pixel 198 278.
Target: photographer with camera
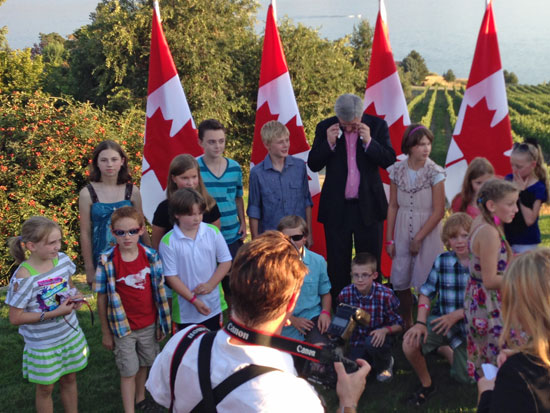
pixel 266 279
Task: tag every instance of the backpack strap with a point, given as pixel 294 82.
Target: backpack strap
pixel 212 397
pixel 205 356
pixel 232 382
pixel 93 194
pixel 181 348
pixel 128 191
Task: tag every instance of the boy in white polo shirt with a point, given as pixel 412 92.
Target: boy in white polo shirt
pixel 195 259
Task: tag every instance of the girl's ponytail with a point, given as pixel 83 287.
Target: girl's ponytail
pixel 494 190
pixel 34 229
pixel 540 168
pixel 17 251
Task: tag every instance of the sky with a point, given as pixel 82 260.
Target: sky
pixel 444 32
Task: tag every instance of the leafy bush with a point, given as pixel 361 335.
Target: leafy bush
pixel 45 147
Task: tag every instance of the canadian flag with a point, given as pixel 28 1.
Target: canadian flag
pixel 169 127
pixel 276 101
pixel 483 125
pixel 384 98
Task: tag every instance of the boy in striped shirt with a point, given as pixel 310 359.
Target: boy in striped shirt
pixel 223 179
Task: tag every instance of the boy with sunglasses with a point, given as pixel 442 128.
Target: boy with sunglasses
pixel 311 316
pixel 132 305
pixel 373 342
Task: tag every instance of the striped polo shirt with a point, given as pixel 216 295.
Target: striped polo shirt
pixel 224 190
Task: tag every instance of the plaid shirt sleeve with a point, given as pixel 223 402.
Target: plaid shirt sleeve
pixel 159 292
pixel 430 287
pixel 392 316
pixel 105 284
pixel 100 285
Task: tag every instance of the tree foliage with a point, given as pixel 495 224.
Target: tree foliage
pixel 19 71
pixel 45 147
pixel 414 64
pixel 361 42
pixel 217 54
pixel 406 84
pixel 449 76
pixel 320 70
pixel 510 78
pixel 3 41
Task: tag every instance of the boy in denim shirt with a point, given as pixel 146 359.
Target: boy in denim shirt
pixel 278 185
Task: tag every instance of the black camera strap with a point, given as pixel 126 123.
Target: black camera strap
pixel 211 397
pixel 179 352
pixel 295 347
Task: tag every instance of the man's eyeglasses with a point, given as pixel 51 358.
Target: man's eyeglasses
pixel 297 237
pixel 362 276
pixel 121 233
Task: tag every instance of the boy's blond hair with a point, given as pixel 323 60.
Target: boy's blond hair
pixel 292 221
pixel 454 223
pixel 272 130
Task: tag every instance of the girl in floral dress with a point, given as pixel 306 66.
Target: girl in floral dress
pixel 416 207
pixel 490 254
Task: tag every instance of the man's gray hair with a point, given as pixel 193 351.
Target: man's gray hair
pixel 348 107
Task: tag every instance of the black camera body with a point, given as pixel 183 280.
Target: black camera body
pixel 341 327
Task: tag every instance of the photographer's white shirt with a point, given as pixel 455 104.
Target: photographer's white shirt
pixel 277 391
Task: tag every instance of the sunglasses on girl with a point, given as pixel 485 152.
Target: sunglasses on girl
pixel 121 233
pixel 297 237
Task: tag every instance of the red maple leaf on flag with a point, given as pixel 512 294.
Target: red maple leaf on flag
pixel 158 146
pixel 263 115
pixel 488 142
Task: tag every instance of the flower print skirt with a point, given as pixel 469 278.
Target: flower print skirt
pixel 484 325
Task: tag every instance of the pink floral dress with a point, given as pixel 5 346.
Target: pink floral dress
pixel 482 314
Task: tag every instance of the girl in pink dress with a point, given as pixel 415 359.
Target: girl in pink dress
pixel 490 254
pixel 479 170
pixel 416 207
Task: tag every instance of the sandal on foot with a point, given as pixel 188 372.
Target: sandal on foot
pixel 149 406
pixel 419 397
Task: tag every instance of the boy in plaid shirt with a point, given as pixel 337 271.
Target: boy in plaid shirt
pixel 444 329
pixel 132 305
pixel 372 342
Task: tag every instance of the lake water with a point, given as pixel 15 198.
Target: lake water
pixel 444 32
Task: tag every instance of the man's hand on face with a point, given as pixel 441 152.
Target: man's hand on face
pixel 332 134
pixel 364 132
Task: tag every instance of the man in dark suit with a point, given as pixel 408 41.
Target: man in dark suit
pixel 353 206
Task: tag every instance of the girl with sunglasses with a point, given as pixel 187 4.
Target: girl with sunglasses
pixel 530 176
pixel 311 316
